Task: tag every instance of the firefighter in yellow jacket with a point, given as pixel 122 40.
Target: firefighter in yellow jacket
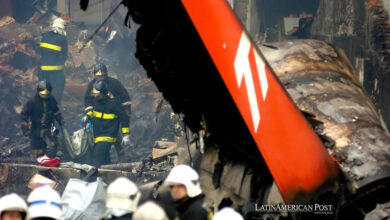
pixel 107 117
pixel 116 91
pixel 54 52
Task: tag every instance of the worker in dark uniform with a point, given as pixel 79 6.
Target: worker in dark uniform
pixel 41 112
pixel 107 115
pixel 184 184
pixel 54 52
pixel 115 91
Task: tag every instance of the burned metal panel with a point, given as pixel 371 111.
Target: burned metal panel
pixel 172 53
pixel 228 182
pixel 321 82
pixel 338 18
pixel 234 182
pixel 378 37
pixel 362 29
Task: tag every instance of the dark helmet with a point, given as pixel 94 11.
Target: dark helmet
pixel 100 69
pixel 43 84
pixel 44 89
pixel 100 86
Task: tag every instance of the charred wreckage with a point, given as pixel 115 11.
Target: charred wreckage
pixel 317 76
pixel 340 118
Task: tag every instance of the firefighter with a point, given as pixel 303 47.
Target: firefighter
pixel 184 184
pixel 42 112
pixel 106 116
pixel 54 52
pixel 12 207
pixel 115 91
pixel 227 213
pixel 150 210
pixel 122 199
pixel 44 203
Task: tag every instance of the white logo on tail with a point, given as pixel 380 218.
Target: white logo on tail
pixel 243 70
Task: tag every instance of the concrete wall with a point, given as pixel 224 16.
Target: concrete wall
pixel 231 3
pixel 247 12
pixel 386 5
pixel 97 11
pixel 253 18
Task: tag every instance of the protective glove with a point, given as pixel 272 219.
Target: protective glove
pixel 126 140
pixel 84 121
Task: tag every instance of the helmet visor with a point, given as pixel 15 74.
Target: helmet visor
pixel 44 93
pixel 100 73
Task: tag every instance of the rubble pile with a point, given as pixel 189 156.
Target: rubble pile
pixel 15 177
pixel 18 63
pixel 156 165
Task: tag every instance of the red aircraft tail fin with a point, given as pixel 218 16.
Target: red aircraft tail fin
pixel 295 156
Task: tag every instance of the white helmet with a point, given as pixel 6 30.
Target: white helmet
pixel 59 23
pixel 13 202
pixel 227 213
pixel 150 211
pixel 122 196
pixel 44 202
pixel 184 174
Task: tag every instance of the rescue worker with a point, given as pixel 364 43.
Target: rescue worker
pixel 42 111
pixel 44 203
pixel 12 207
pixel 150 211
pixel 122 199
pixel 54 52
pixel 115 90
pixel 185 189
pixel 106 116
pixel 227 213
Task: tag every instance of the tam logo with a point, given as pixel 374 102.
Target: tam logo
pixel 244 72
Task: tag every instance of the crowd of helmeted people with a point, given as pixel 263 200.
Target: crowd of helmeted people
pixel 123 201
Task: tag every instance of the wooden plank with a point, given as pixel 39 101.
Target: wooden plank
pixel 163 148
